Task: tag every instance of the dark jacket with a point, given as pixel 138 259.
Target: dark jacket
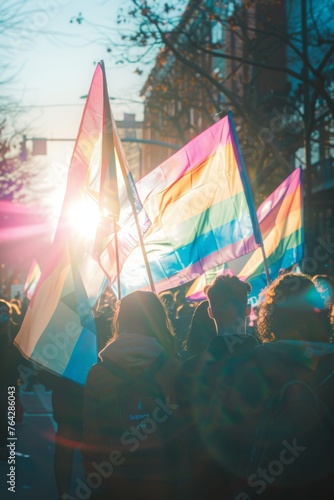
pixel 195 386
pixel 245 387
pixel 135 354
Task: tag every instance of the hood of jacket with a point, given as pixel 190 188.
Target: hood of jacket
pixel 306 350
pixel 231 344
pixel 132 351
pixel 308 354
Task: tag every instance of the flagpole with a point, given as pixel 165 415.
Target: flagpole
pixel 117 260
pixel 249 196
pixel 140 236
pixel 118 145
pixel 265 263
pixel 108 155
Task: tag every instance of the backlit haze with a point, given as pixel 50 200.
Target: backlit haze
pixel 53 72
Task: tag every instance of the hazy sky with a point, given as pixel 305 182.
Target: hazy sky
pixel 53 71
pixel 57 70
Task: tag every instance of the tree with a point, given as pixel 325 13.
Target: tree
pixel 18 24
pixel 256 64
pixel 17 170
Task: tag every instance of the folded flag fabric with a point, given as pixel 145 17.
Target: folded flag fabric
pixel 200 209
pixel 281 222
pixel 32 279
pixel 119 201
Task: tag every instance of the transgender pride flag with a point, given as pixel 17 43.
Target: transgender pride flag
pixel 200 209
pixel 58 331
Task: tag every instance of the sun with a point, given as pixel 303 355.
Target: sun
pixel 83 218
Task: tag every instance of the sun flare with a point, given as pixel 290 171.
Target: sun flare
pixel 83 217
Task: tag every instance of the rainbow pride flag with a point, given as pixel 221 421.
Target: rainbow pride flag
pixel 281 222
pixel 200 209
pixel 58 331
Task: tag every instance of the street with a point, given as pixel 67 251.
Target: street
pixel 33 477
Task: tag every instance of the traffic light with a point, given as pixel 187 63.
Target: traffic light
pixel 23 149
pixel 39 147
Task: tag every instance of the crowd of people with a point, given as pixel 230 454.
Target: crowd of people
pixel 189 402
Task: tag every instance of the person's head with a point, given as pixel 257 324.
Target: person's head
pixel 16 311
pixel 179 297
pixel 227 297
pixel 5 315
pixel 143 313
pixel 292 308
pixel 16 302
pixel 167 298
pixel 202 330
pixel 5 311
pixel 105 304
pixel 325 287
pixel 185 310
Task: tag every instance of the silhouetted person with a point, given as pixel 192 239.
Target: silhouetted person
pixel 202 330
pixel 67 406
pixel 132 467
pixel 167 298
pixel 325 286
pixel 227 306
pixel 9 361
pixel 103 315
pixel 294 326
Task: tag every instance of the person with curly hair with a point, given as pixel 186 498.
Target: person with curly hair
pixel 293 308
pixel 324 284
pixel 294 326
